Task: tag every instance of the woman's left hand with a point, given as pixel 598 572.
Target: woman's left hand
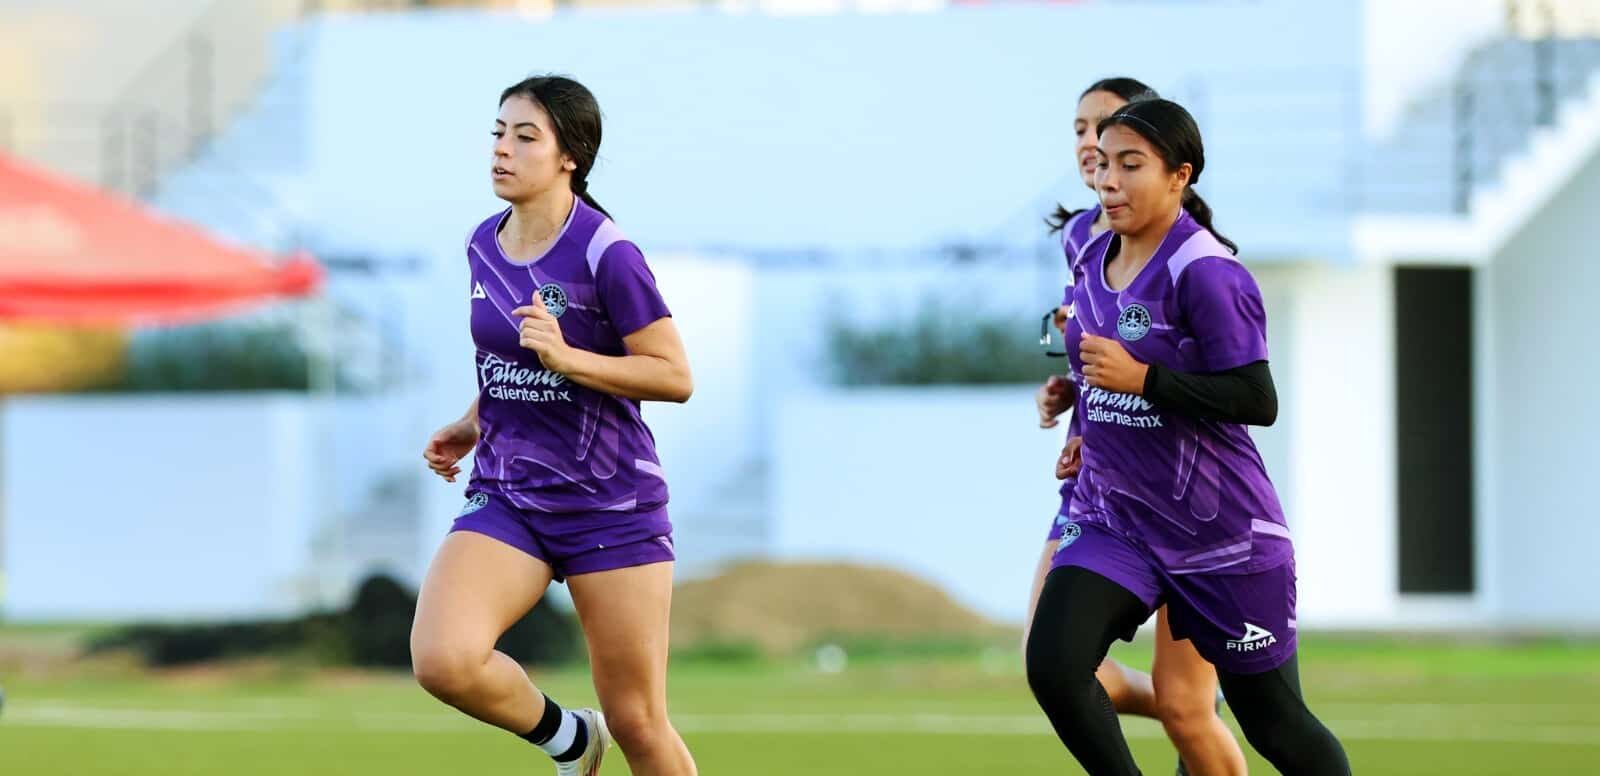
pixel 540 332
pixel 1107 365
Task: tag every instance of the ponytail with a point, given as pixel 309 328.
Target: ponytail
pixel 1058 220
pixel 1201 213
pixel 580 187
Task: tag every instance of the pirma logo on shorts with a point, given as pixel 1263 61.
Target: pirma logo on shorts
pixel 1255 638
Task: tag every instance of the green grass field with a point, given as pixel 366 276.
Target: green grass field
pixel 1400 708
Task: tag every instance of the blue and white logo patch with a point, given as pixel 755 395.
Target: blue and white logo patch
pixel 1133 323
pixel 554 298
pixel 474 503
pixel 1070 532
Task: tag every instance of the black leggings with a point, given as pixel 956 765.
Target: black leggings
pixel 1080 613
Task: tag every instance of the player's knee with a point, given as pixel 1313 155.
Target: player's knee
pixel 1277 742
pixel 638 726
pixel 1053 672
pixel 447 673
pixel 1284 735
pixel 1272 717
pixel 1184 713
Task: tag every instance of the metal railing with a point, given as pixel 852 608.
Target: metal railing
pixel 1497 102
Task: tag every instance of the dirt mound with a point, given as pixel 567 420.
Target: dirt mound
pixel 783 606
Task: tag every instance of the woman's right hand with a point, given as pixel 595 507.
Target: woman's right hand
pixel 1071 459
pixel 1052 399
pixel 448 446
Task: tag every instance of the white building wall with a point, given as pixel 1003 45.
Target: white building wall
pixel 951 484
pixel 158 507
pixel 1342 507
pixel 954 483
pixel 1538 516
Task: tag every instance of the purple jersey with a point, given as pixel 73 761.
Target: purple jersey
pixel 1076 235
pixel 549 444
pixel 1194 491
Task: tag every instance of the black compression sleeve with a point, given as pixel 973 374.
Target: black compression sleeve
pixel 1242 395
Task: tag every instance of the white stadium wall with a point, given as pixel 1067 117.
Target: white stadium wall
pixel 954 483
pixel 1539 516
pixel 167 507
pixel 951 484
pixel 1342 503
pixel 888 132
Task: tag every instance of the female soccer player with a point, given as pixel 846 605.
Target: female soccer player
pixel 571 335
pixel 1172 505
pixel 1181 688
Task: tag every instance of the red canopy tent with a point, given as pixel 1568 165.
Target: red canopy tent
pixel 71 254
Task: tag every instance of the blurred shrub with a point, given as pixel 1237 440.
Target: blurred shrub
pixel 217 357
pixel 173 645
pixel 40 359
pixel 378 623
pixel 375 631
pixel 939 347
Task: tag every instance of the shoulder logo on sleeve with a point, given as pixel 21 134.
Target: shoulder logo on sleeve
pixel 1134 322
pixel 554 298
pixel 478 292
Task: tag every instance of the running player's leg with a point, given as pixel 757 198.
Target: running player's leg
pixel 1272 712
pixel 1131 691
pixel 476 588
pixel 1079 614
pixel 625 614
pixel 1245 625
pixel 1186 698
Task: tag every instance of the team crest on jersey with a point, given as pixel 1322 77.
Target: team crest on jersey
pixel 554 298
pixel 474 503
pixel 1133 323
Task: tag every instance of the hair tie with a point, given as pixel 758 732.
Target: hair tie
pixel 1132 117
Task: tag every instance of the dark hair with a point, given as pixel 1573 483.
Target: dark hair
pixel 1176 138
pixel 1130 90
pixel 576 116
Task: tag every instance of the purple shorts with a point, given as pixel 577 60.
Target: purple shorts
pixel 1063 515
pixel 1240 623
pixel 571 544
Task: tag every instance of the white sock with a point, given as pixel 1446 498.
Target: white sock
pixel 565 735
